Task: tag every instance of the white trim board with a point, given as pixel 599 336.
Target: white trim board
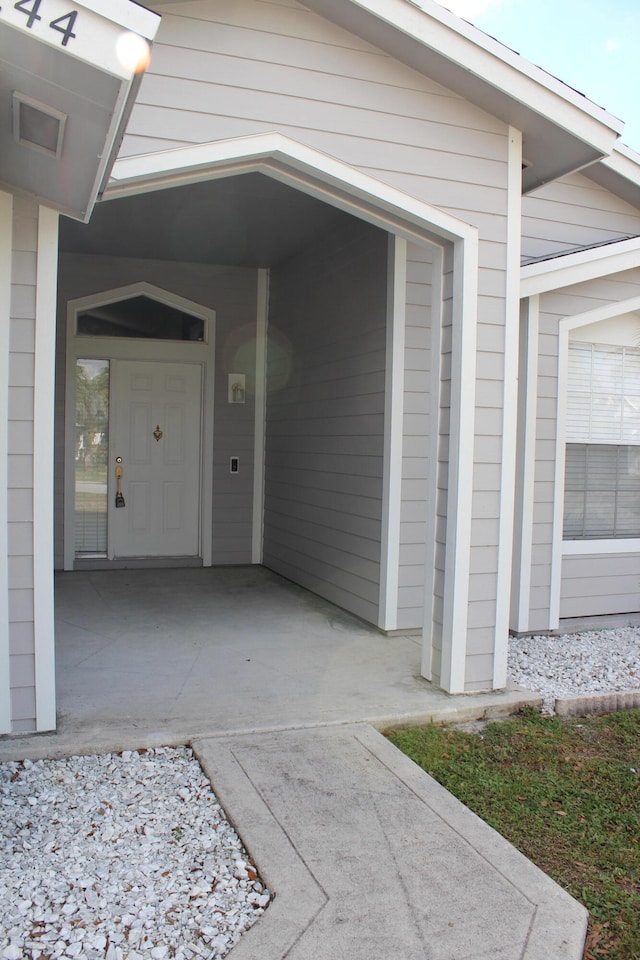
pixel 130 15
pixel 6 255
pixel 572 268
pixel 43 471
pixel 429 627
pixel 597 548
pixel 509 412
pixel 461 459
pixel 260 417
pixel 393 434
pixel 526 477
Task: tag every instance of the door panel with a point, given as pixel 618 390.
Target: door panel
pixel 161 477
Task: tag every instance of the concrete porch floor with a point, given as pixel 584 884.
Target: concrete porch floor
pixel 165 656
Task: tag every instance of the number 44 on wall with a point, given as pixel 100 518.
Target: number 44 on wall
pixel 63 25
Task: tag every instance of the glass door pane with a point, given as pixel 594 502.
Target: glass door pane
pixel 91 457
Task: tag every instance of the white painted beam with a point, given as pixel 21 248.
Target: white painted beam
pixel 393 434
pixel 461 459
pixel 6 244
pixel 43 447
pixel 260 415
pixel 509 411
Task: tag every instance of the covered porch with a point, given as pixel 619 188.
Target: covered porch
pixel 147 657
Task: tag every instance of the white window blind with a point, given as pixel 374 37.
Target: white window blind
pixel 602 492
pixel 602 472
pixel 603 402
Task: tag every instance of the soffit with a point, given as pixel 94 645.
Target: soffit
pixel 248 220
pixel 60 59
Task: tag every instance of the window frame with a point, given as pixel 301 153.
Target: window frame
pixel 587 427
pixel 560 547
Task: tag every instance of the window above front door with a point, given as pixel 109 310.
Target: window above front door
pixel 140 318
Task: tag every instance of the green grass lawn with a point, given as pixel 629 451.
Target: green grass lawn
pixel 564 792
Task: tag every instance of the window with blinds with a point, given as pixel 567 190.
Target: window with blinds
pixel 602 474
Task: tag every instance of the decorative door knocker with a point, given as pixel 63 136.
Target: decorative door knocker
pixel 157 433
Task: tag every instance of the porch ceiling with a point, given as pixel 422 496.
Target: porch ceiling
pixel 247 220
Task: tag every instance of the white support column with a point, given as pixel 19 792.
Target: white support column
pixel 393 434
pixel 437 290
pixel 525 479
pixel 260 422
pixel 43 447
pixel 510 409
pixel 564 328
pixel 6 244
pixel 461 453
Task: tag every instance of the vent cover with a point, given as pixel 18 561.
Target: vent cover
pixel 38 126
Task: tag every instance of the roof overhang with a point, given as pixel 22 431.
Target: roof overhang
pixel 578 267
pixel 66 91
pixel 619 173
pixel 563 131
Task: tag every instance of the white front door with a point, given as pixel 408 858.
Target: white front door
pixel 156 410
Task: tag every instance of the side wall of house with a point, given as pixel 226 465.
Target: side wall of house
pixel 231 292
pixel 571 213
pixel 595 583
pixel 325 418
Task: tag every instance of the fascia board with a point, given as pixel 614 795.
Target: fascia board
pixel 565 271
pixel 626 160
pixel 126 13
pixel 619 173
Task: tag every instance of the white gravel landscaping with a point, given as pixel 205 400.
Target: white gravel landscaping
pixel 120 857
pixel 576 664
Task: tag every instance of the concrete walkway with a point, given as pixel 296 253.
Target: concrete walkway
pixel 371 859
pixel 367 855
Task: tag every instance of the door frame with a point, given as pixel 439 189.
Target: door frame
pixel 114 348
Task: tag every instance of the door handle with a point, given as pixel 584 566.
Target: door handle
pixel 119 497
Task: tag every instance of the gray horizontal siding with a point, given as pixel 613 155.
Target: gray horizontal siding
pixel 571 213
pixel 597 585
pixel 323 474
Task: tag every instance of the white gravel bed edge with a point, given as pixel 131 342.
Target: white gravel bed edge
pixel 576 664
pixel 120 857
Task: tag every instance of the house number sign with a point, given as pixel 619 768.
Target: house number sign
pixel 39 14
pixel 74 28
